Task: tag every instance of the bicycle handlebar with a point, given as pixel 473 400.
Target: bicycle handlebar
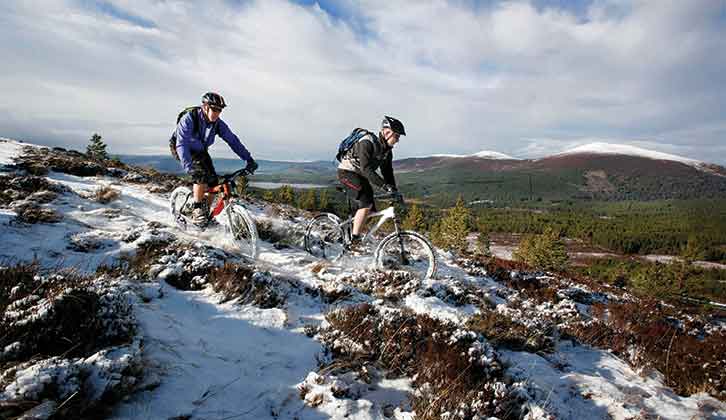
pixel 235 174
pixel 397 196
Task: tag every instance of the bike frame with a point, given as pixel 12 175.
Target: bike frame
pixel 223 189
pixel 385 215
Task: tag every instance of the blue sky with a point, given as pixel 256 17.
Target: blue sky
pixel 525 78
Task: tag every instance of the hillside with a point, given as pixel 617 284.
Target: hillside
pixel 591 172
pixel 166 324
pixel 582 174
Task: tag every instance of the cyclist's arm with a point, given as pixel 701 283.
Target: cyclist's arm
pixel 233 141
pixel 387 170
pixel 184 139
pixel 364 150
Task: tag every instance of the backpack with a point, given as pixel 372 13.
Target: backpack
pixel 350 141
pixel 195 128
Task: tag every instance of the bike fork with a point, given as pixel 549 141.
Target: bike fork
pixel 404 258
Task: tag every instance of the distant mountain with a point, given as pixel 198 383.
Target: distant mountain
pixel 279 171
pixel 596 171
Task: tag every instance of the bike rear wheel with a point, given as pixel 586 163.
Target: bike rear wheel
pixel 181 206
pixel 407 251
pixel 324 238
pixel 243 230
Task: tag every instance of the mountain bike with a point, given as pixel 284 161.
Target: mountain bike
pixel 326 236
pixel 224 198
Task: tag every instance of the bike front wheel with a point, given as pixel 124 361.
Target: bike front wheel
pixel 407 251
pixel 181 206
pixel 242 229
pixel 324 238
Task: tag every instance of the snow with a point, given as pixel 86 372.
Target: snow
pixel 206 358
pixel 8 150
pixel 623 149
pixel 484 154
pixel 581 382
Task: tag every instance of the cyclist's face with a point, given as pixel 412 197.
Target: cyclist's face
pixel 211 113
pixel 390 137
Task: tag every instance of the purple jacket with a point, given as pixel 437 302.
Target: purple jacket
pixel 188 142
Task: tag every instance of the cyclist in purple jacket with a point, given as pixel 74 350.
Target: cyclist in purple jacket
pixel 195 132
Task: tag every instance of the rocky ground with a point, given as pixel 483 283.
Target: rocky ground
pixel 108 310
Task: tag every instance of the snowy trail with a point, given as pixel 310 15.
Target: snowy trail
pixel 219 360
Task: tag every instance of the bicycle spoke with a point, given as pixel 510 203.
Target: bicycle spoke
pixel 324 238
pixel 406 252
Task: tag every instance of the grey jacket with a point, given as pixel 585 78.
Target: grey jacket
pixel 366 156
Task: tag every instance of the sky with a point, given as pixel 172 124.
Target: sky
pixel 524 78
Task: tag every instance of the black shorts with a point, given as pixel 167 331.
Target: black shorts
pixel 203 169
pixel 358 188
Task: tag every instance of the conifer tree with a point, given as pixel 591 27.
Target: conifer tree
pixel 414 219
pixel 452 231
pixel 269 196
pixel 483 245
pixel 323 201
pixel 286 195
pixel 543 252
pixel 96 148
pixel 307 200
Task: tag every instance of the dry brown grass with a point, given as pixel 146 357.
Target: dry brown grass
pixel 690 363
pixel 106 194
pixel 447 377
pixel 241 282
pixel 503 331
pixel 70 325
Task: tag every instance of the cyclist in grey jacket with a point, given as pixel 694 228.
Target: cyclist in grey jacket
pixel 358 166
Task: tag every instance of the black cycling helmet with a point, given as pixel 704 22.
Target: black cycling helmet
pixel 395 125
pixel 213 99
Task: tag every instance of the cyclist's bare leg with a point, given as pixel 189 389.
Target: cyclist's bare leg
pixel 199 191
pixel 359 219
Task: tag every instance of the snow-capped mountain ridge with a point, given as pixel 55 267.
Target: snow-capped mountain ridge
pixel 602 148
pixel 484 154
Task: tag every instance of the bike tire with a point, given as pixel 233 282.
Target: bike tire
pixel 324 238
pixel 180 198
pixel 243 230
pixel 425 265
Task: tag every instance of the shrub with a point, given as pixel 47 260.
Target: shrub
pixel 645 334
pixel 106 194
pixel 455 371
pixel 503 331
pixel 239 282
pixel 544 252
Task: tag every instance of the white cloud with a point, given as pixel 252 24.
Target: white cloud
pixel 297 79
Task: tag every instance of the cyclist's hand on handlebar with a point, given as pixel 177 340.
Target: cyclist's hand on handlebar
pixel 251 166
pixel 390 188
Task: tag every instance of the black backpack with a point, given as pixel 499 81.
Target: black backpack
pixel 195 128
pixel 350 141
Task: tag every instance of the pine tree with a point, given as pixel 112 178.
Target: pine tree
pixel 307 200
pixel 96 148
pixel 543 252
pixel 286 195
pixel 323 202
pixel 483 245
pixel 452 231
pixel 269 196
pixel 414 219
